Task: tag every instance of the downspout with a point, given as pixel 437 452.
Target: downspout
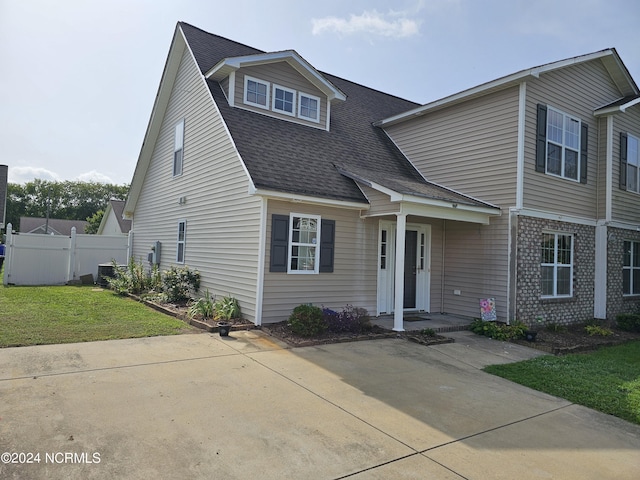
pixel 444 242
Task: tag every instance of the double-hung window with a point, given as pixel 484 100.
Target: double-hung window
pixel 557 265
pixel 631 268
pixel 256 92
pixel 309 107
pixel 563 145
pixel 178 148
pixel 284 100
pixel 631 156
pixel 182 241
pixel 304 231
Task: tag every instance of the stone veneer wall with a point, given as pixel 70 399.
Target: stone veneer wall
pixel 616 302
pixel 561 311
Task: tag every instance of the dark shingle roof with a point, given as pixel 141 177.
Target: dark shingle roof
pixel 293 158
pixel 118 208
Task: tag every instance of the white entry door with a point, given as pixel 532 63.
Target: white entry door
pixel 417 264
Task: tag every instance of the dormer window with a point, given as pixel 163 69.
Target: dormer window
pixel 284 100
pixel 309 107
pixel 256 92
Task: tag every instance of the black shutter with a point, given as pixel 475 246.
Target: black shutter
pixel 279 243
pixel 583 152
pixel 541 139
pixel 623 161
pixel 327 245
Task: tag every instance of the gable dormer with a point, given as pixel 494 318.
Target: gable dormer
pixel 280 84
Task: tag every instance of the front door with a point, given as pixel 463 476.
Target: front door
pixel 416 267
pixel 410 270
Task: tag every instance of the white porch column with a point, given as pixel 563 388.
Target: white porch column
pixel 600 299
pixel 398 314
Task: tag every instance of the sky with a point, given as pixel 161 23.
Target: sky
pixel 78 78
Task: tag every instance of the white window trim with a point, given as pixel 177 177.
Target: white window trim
pixel 312 97
pixel 178 146
pixel 631 268
pixel 267 106
pixel 292 113
pixel 637 164
pixel 563 146
pixel 182 242
pixel 316 263
pixel 555 264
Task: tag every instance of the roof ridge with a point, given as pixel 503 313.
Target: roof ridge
pixel 181 23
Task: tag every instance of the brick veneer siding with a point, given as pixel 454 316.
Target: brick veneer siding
pixel 561 311
pixel 616 302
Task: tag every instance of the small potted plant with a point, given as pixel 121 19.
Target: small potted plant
pixel 226 309
pixel 531 333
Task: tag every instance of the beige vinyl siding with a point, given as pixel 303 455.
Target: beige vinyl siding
pixel 353 280
pixel 601 170
pixel 222 229
pixel 285 75
pixel 380 202
pixel 576 90
pixel 469 147
pixel 625 205
pixel 476 263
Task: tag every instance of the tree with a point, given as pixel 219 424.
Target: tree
pixel 70 200
pixel 94 222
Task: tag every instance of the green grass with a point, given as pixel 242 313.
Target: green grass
pixel 607 380
pixel 66 314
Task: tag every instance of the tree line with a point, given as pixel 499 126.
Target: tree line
pixel 67 200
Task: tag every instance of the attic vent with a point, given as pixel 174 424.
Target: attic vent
pixel 182 200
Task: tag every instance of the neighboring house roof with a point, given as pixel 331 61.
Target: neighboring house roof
pixel 114 209
pixel 56 226
pixel 609 57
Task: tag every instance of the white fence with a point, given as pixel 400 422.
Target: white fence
pixel 36 259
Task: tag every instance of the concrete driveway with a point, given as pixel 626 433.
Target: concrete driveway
pixel 200 406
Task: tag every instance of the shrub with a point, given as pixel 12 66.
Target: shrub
pixel 629 322
pixel 132 279
pixel 180 283
pixel 351 319
pixel 226 308
pixel 202 306
pixel 497 330
pixel 428 332
pixel 593 330
pixel 307 320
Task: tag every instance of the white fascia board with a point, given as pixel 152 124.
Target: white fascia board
pixel 446 213
pixel 499 83
pixel 225 66
pixel 295 198
pixel 599 112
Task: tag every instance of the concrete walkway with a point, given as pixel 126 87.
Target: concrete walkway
pixel 200 406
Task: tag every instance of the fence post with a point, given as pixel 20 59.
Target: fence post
pixel 7 255
pixel 72 255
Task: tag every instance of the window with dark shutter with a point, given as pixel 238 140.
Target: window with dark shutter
pixel 279 243
pixel 584 147
pixel 327 245
pixel 623 161
pixel 541 144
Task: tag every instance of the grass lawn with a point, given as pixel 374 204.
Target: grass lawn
pixel 66 314
pixel 607 380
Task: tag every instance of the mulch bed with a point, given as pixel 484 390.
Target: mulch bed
pixel 282 331
pixel 575 339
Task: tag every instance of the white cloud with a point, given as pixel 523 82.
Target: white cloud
pixel 372 22
pixel 94 176
pixel 28 174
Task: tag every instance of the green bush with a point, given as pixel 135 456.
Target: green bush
pixel 497 330
pixel 629 322
pixel 133 278
pixel 180 283
pixel 307 320
pixel 594 330
pixel 226 308
pixel 202 306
